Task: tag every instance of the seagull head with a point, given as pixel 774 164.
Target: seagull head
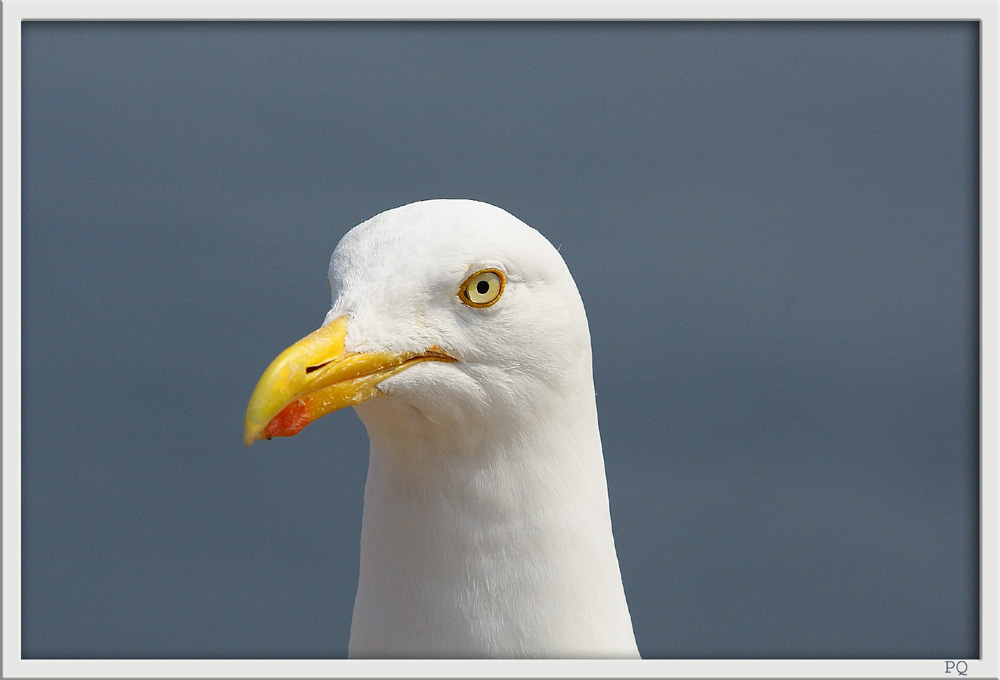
pixel 448 316
pixel 459 336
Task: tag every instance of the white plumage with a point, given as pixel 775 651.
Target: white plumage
pixel 486 529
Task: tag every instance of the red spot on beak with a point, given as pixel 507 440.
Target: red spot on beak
pixel 290 421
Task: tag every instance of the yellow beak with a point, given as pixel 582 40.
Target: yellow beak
pixel 316 376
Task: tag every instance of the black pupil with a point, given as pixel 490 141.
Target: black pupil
pixel 482 287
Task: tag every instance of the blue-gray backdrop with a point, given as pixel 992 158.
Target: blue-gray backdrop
pixel 774 228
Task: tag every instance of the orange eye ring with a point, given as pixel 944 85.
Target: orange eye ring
pixel 483 288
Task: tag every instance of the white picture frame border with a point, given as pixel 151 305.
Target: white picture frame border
pixel 17 11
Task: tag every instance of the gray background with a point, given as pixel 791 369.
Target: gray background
pixel 774 228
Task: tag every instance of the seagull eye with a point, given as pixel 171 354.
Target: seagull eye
pixel 482 289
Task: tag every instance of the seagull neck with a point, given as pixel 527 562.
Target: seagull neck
pixel 484 531
pixel 500 467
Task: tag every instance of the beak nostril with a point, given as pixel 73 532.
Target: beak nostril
pixel 310 369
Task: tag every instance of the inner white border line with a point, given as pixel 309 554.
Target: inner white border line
pixel 584 10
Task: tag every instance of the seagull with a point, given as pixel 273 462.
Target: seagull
pixel 459 337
